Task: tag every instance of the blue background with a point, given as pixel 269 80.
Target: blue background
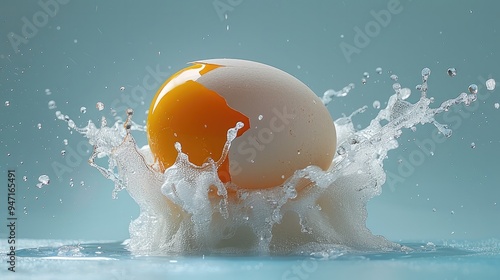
pixel 87 50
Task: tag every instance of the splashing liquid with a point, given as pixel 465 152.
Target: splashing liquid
pixel 187 208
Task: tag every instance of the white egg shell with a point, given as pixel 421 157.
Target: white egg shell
pixel 290 128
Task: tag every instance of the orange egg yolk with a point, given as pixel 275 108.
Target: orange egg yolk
pixel 185 111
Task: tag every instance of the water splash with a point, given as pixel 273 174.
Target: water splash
pixel 188 209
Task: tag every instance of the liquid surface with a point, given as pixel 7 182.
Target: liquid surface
pixel 49 259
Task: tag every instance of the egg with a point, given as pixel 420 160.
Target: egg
pixel 286 127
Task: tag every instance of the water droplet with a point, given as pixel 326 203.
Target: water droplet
pixel 75 41
pixel 376 104
pixel 490 84
pixel 100 106
pixel 473 88
pixel 65 141
pixel 82 183
pixel 394 77
pixel 473 145
pixel 52 104
pixel 25 178
pixel 83 110
pixel 497 105
pixel 122 88
pixel 58 27
pixel 71 183
pixel 426 72
pixel 63 152
pixel 434 210
pixel 39 126
pixel 261 117
pixel 47 91
pixel 404 93
pixel 60 200
pixel 396 87
pixel 378 70
pixel 7 103
pixel 452 72
pixel 452 212
pixel 363 81
pixel 44 180
pixel 366 75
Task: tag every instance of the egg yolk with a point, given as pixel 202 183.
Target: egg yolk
pixel 185 111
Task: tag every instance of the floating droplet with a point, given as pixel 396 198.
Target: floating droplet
pixel 71 183
pixel 260 117
pixel 363 81
pixel 473 145
pixel 39 126
pixel 44 180
pixel 452 72
pixel 25 178
pixel 396 87
pixel 394 77
pixel 497 105
pixel 473 88
pixel 52 104
pixel 63 152
pixel 7 103
pixel 100 106
pixel 490 84
pixel 122 88
pixel 65 141
pixel 378 70
pixel 434 210
pixel 47 91
pixel 376 104
pixel 83 110
pixel 366 75
pixel 426 72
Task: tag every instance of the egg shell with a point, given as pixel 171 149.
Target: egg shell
pixel 290 128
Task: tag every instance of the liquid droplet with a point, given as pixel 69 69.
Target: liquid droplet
pixel 7 103
pixel 39 126
pixel 100 106
pixel 52 104
pixel 473 88
pixel 63 152
pixel 366 75
pixel 497 105
pixel 473 145
pixel 122 88
pixel 490 84
pixel 363 81
pixel 376 104
pixel 394 77
pixel 83 110
pixel 378 70
pixel 396 87
pixel 452 72
pixel 47 91
pixel 25 178
pixel 426 72
pixel 260 117
pixel 65 141
pixel 44 180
